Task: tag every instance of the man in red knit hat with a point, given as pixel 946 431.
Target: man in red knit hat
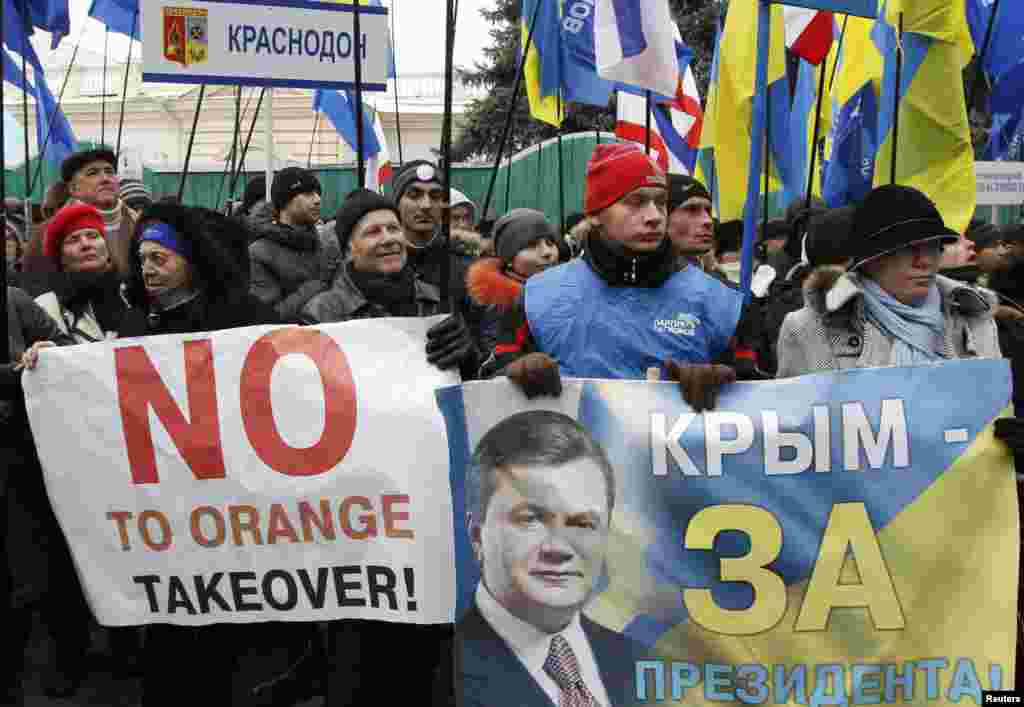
pixel 625 307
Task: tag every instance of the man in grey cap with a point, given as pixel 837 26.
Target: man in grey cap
pixel 421 196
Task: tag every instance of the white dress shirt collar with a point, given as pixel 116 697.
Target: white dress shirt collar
pixel 531 646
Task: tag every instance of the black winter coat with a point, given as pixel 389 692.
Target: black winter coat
pixel 220 272
pixel 289 266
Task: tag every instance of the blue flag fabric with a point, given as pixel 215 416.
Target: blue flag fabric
pixel 338 107
pixel 580 81
pixel 52 16
pixel 12 75
pixel 121 16
pixel 850 171
pixel 1007 106
pixel 50 119
pixel 1004 67
pixel 798 154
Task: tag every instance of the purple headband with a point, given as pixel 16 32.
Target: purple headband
pixel 167 237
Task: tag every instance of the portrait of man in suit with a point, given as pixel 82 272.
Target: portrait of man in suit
pixel 540 494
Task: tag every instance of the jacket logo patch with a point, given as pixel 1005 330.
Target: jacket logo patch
pixel 682 325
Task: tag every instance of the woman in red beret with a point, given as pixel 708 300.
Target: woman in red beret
pixel 85 301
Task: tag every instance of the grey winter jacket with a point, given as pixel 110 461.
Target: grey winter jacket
pixel 831 332
pixel 343 301
pixel 290 265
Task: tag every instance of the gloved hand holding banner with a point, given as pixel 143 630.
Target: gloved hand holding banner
pixel 846 538
pixel 260 474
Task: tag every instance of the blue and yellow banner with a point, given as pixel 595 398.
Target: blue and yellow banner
pixel 842 538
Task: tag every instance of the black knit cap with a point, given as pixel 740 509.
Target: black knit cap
pixel 519 229
pixel 412 172
pixel 289 183
pixel 255 192
pixel 828 236
pixel 358 204
pixel 729 237
pixel 682 188
pixel 70 166
pixel 1013 233
pixel 893 217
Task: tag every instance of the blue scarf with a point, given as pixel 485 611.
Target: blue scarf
pixel 917 333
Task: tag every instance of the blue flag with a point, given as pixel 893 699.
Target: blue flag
pixel 121 16
pixel 338 107
pixel 50 119
pixel 52 16
pixel 850 172
pixel 580 81
pixel 1004 67
pixel 1007 106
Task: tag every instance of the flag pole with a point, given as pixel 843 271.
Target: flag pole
pixel 312 139
pixel 980 73
pixel 24 117
pixel 191 142
pixel 896 102
pixel 446 149
pixel 360 138
pixel 512 107
pixel 839 50
pixel 60 100
pixel 508 184
pixel 394 59
pixel 756 146
pixel 248 139
pixel 767 158
pixel 103 89
pixel 561 174
pixel 647 122
pixel 5 348
pixel 817 133
pixel 124 89
pixel 268 143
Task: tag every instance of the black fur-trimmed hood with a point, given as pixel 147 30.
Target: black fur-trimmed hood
pixel 219 243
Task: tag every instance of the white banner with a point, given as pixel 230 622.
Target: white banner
pixel 268 473
pixel 263 43
pixel 1000 183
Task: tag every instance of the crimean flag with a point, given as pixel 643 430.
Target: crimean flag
pixel 809 33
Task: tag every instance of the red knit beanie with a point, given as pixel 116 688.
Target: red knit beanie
pixel 615 170
pixel 68 220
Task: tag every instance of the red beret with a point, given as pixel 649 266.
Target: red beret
pixel 68 220
pixel 616 169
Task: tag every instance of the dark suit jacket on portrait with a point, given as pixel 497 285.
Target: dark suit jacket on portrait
pixel 492 676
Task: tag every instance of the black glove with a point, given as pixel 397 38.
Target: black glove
pixel 536 374
pixel 700 383
pixel 1011 431
pixel 449 343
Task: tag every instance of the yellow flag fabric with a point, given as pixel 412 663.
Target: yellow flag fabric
pixel 548 109
pixel 731 104
pixel 934 152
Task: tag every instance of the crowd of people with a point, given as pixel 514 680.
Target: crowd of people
pixel 642 284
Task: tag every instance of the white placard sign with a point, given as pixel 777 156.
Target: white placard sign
pixel 263 43
pixel 266 473
pixel 1000 183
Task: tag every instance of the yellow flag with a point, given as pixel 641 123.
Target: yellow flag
pixel 934 152
pixel 732 103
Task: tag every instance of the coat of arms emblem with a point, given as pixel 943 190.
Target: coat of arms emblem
pixel 185 35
